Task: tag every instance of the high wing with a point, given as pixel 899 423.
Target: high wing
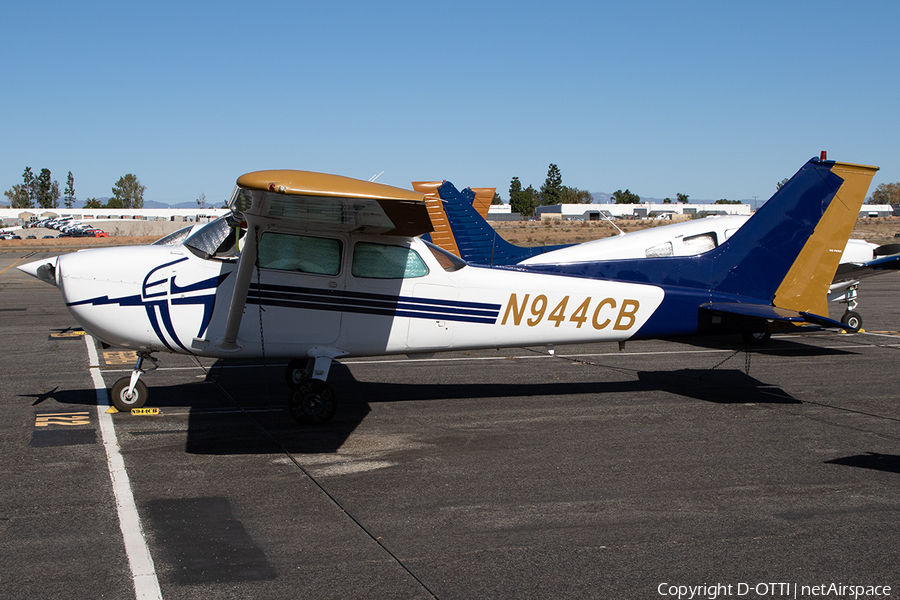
pixel 320 201
pixel 309 201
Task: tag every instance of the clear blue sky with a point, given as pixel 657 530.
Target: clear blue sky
pixel 712 99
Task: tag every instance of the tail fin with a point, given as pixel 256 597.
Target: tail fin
pixel 460 228
pixel 788 252
pixel 805 287
pixel 483 199
pixel 442 235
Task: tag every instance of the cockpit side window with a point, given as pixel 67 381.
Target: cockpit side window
pixel 380 261
pixel 215 240
pixel 300 253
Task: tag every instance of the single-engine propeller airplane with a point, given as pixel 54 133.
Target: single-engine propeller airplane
pixel 312 267
pixel 461 228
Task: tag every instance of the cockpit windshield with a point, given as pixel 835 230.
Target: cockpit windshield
pixel 218 239
pixel 176 238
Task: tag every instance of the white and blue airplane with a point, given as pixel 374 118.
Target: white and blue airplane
pixel 313 267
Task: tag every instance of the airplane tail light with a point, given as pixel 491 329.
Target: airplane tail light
pixel 823 156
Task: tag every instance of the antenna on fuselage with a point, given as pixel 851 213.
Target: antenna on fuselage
pixel 611 223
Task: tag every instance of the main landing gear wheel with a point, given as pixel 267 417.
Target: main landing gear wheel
pixel 852 319
pixel 296 372
pixel 123 401
pixel 312 402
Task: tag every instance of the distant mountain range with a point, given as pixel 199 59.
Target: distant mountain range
pixel 604 198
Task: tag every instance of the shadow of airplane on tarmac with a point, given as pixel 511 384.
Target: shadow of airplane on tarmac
pixel 243 411
pixel 775 347
pixel 870 460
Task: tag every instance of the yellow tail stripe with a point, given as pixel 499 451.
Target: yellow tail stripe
pixel 806 285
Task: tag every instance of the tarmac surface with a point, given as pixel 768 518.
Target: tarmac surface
pixel 509 473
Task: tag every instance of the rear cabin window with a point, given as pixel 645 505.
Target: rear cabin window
pixel 380 261
pixel 664 249
pixel 697 244
pixel 300 254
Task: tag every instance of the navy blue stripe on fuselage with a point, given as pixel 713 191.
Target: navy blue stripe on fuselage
pixel 373 304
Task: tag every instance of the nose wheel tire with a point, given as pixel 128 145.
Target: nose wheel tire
pixel 312 402
pixel 123 401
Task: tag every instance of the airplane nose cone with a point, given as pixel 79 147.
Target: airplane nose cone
pixel 44 269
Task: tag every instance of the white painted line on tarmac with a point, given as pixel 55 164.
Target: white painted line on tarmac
pixel 143 573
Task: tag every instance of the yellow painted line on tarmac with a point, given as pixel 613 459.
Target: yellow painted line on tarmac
pixel 15 263
pixel 74 418
pixel 74 333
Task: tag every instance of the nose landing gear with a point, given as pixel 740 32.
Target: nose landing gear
pixel 131 392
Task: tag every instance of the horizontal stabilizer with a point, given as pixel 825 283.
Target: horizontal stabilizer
pixel 772 313
pixel 847 271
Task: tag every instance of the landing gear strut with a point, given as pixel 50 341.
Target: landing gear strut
pixel 312 400
pixel 131 392
pixel 850 318
pixel 297 372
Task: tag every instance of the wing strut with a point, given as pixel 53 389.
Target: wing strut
pixel 239 295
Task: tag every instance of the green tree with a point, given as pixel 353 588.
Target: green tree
pixel 572 195
pixel 521 201
pixel 514 186
pixel 626 197
pixel 201 200
pixel 127 193
pixel 496 199
pixel 724 201
pixel 886 193
pixel 682 198
pixel 54 194
pixel 30 184
pixel 551 191
pixel 69 198
pixel 92 203
pixel 667 201
pixel 19 196
pixel 46 190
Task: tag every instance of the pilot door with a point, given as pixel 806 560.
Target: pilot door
pixel 294 295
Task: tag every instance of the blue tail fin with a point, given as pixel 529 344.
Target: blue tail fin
pixel 460 229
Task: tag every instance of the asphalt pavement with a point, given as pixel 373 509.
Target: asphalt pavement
pixel 668 467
